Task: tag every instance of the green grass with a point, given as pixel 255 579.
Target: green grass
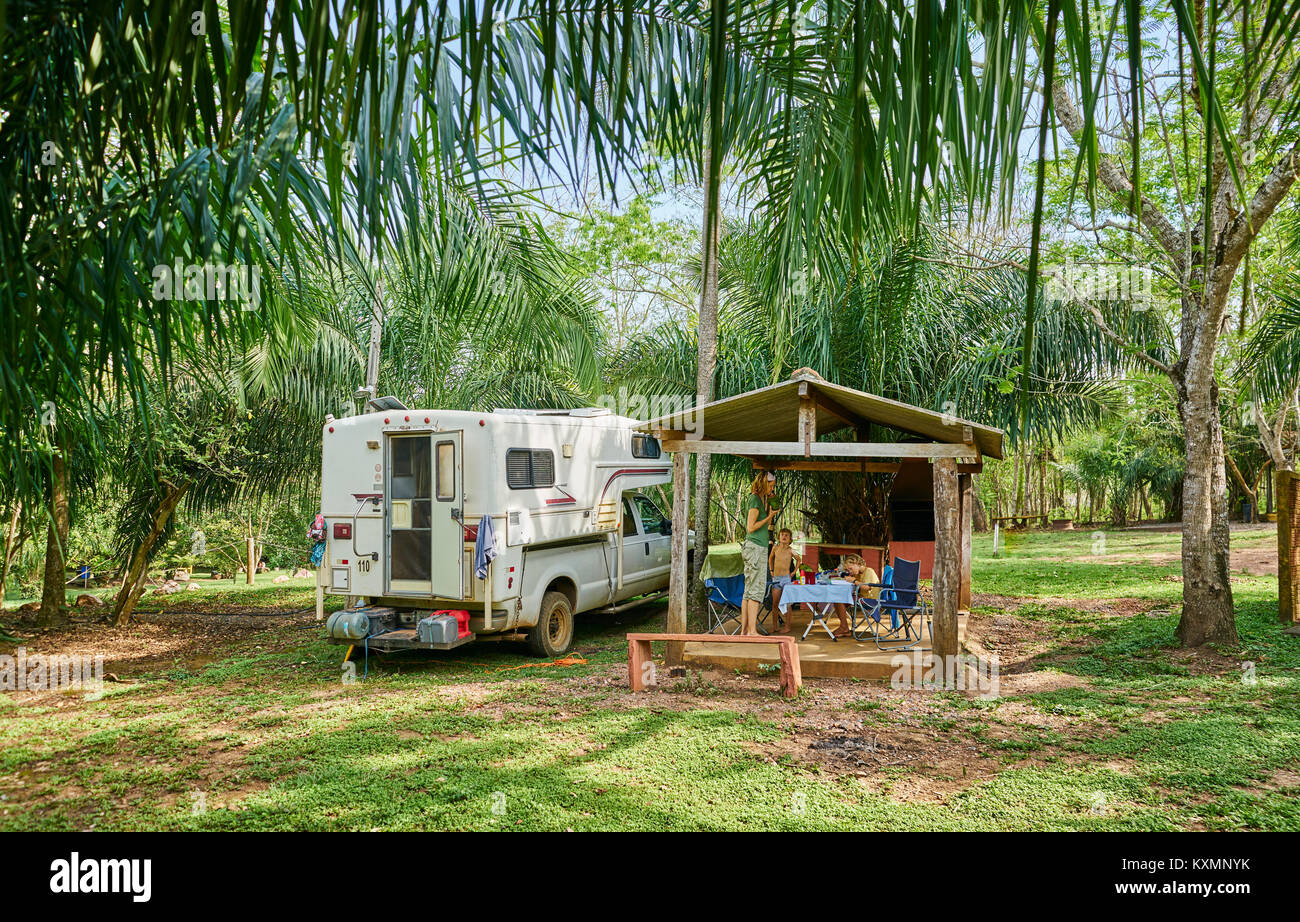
pixel 213 595
pixel 267 735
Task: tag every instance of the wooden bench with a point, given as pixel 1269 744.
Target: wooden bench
pixel 638 654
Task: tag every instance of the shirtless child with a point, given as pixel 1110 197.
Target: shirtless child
pixel 781 561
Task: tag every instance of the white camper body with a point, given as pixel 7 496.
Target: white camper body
pixel 403 493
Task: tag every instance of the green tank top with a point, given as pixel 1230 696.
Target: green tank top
pixel 759 536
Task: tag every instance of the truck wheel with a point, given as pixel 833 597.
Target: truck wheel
pixel 553 635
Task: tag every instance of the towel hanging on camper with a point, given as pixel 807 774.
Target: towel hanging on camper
pixel 485 547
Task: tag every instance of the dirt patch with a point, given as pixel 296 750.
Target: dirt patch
pixel 1282 780
pixel 153 641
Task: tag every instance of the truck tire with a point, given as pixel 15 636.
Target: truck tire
pixel 553 634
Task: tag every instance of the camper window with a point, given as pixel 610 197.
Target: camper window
pixel 528 468
pixel 644 446
pixel 446 471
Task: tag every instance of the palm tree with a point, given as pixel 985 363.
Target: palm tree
pixel 908 323
pixel 844 117
pixel 136 136
pixel 482 309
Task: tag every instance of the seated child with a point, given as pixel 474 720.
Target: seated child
pixel 781 561
pixel 856 570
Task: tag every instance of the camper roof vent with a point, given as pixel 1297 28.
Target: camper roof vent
pixel 380 404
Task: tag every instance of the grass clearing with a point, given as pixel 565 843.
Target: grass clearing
pixel 245 722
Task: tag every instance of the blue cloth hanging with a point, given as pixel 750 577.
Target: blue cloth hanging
pixel 485 547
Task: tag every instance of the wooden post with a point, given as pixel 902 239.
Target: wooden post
pixel 966 488
pixel 638 654
pixel 677 575
pixel 807 419
pixel 947 562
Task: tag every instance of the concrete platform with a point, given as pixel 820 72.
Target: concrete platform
pixel 819 655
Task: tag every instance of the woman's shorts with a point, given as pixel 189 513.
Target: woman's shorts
pixel 755 559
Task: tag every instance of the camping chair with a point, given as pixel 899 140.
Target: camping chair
pixel 725 596
pixel 766 610
pixel 900 599
pixel 726 593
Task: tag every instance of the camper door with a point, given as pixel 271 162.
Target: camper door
pixel 425 533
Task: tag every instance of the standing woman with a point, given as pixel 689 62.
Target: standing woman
pixel 759 514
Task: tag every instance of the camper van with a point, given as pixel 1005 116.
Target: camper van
pixel 404 493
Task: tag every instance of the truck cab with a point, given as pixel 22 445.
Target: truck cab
pixel 646 546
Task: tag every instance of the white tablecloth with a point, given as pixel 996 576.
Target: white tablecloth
pixel 818 594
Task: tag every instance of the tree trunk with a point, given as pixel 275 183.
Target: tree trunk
pixel 1042 486
pixel 1207 592
pixel 14 538
pixel 707 353
pixel 54 594
pixel 138 568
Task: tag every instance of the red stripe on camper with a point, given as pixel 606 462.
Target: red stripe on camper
pixel 566 501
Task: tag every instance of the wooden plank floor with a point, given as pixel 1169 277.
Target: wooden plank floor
pixel 818 655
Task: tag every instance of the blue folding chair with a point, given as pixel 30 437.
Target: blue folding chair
pixel 725 596
pixel 726 593
pixel 900 599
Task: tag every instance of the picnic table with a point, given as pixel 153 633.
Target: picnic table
pixel 819 597
pixel 822 594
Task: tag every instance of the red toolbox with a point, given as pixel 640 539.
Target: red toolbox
pixel 462 620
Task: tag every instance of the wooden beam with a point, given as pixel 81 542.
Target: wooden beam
pixel 976 468
pixel 835 408
pixel 851 467
pixel 947 564
pixel 821 449
pixel 677 562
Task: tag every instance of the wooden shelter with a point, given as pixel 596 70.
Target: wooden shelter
pixel 777 428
